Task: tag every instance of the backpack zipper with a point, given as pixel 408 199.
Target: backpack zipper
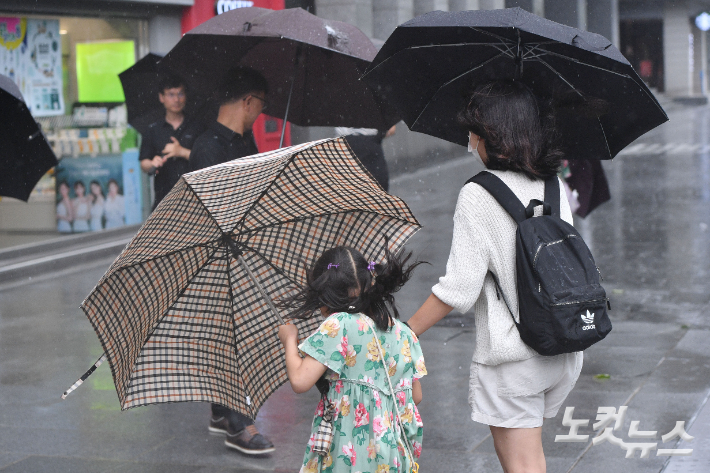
pixel 581 302
pixel 542 245
pixel 537 254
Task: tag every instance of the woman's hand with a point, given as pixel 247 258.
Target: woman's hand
pixel 288 332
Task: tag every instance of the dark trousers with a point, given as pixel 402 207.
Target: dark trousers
pixel 237 421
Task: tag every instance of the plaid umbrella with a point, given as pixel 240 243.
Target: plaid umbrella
pixel 185 313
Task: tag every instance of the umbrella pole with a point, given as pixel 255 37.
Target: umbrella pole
pixel 288 104
pixel 260 288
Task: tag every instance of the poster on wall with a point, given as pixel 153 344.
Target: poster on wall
pixel 90 194
pixel 31 55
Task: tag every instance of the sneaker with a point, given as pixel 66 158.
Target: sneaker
pixel 249 441
pixel 219 425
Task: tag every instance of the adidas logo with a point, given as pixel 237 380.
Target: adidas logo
pixel 588 319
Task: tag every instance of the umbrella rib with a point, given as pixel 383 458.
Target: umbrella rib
pixel 210 258
pixel 552 53
pixel 253 231
pixel 561 77
pixel 452 80
pixel 261 196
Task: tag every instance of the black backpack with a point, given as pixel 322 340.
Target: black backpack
pixel 562 306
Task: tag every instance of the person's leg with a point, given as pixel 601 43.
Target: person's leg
pixel 519 450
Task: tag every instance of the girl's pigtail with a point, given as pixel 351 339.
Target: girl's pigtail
pixel 389 277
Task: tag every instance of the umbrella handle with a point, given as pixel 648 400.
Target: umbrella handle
pixel 260 288
pixel 288 104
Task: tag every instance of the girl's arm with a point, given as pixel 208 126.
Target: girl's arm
pixel 302 372
pixel 417 391
pixel 432 311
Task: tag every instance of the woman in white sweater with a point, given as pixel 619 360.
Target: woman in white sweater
pixel 512 387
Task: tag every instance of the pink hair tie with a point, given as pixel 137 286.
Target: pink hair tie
pixel 371 266
pixel 332 265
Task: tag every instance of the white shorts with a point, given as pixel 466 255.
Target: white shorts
pixel 519 394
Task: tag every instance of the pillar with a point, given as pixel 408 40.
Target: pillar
pixel 677 65
pixel 524 4
pixel 461 5
pixel 603 19
pixel 355 12
pixel 388 14
pixel 425 6
pixel 164 31
pixel 568 12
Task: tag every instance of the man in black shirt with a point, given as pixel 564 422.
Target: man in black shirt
pixel 165 147
pixel 241 99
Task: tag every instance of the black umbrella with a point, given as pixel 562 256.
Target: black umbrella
pixel 26 156
pixel 427 64
pixel 141 84
pixel 312 65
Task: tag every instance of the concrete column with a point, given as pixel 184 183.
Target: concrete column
pixel 388 14
pixel 677 72
pixel 568 12
pixel 425 6
pixel 355 12
pixel 164 31
pixel 524 4
pixel 603 18
pixel 461 5
pixel 538 7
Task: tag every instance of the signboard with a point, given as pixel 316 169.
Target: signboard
pixel 97 67
pixel 31 55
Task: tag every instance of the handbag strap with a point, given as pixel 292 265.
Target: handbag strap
pixel 415 465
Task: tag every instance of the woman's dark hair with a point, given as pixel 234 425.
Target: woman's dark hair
pixel 79 183
pixel 518 129
pixel 341 281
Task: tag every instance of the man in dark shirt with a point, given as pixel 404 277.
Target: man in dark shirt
pixel 165 147
pixel 241 99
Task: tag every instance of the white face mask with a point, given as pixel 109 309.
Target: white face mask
pixel 474 149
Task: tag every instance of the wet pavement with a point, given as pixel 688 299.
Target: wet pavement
pixel 652 243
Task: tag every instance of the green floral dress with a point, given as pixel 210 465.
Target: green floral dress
pixel 367 436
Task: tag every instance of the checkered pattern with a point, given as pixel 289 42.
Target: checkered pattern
pixel 179 317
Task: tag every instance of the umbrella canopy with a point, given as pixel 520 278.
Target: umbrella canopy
pixel 427 64
pixel 26 156
pixel 312 65
pixel 141 84
pixel 186 312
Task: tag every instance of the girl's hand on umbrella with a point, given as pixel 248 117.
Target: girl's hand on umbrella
pixel 288 332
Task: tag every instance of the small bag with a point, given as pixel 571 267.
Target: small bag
pixel 324 435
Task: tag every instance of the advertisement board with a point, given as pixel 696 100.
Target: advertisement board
pixel 98 193
pixel 31 55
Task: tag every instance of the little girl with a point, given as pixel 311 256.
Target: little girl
pixel 345 357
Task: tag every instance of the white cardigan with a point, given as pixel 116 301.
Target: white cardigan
pixel 483 241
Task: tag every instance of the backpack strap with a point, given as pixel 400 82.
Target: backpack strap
pixel 552 195
pixel 502 193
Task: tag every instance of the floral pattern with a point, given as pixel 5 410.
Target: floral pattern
pixel 367 438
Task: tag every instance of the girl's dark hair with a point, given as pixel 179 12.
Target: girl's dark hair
pixel 341 281
pixel 518 129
